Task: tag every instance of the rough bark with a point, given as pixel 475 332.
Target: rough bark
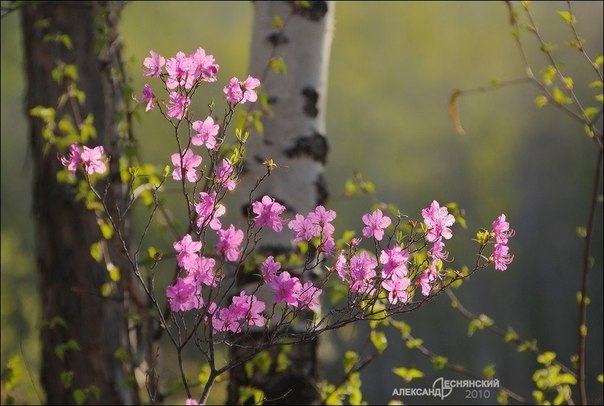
pixel 70 279
pixel 294 137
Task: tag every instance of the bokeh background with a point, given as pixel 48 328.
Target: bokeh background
pixel 393 66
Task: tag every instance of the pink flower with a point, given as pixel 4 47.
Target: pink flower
pixel 240 92
pixel 233 91
pixel 248 309
pixel 501 257
pixel 178 106
pixel 341 266
pixel 73 158
pixel 148 96
pixel 209 211
pixel 179 72
pixel 227 320
pixel 206 133
pixel 223 175
pixel 269 270
pixel 267 213
pixel 375 223
pixel 184 295
pixel 153 65
pixel 305 228
pixel 287 289
pixel 191 402
pixel 438 220
pixel 502 230
pixel 362 272
pixel 309 296
pixel 201 270
pixel 249 85
pixel 187 250
pixel 323 218
pixel 397 288
pixel 429 276
pixel 203 66
pixel 94 160
pixel 394 261
pixel 229 243
pixel 187 166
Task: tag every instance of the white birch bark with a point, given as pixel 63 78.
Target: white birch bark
pixel 294 138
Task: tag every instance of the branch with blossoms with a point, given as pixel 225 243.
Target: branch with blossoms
pixel 404 268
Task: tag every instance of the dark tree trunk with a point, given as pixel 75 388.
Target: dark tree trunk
pixel 70 279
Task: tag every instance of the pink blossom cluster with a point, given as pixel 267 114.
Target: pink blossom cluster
pixel 93 160
pixel 384 273
pixel 438 221
pixel 181 75
pixel 316 224
pixel 501 253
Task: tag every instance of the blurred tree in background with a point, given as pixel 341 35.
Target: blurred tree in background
pixel 393 66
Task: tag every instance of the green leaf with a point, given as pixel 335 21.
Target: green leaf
pixel 96 251
pixel 414 343
pixel 408 374
pixel 278 65
pixel 350 359
pixel 489 371
pixel 114 272
pixel 549 74
pixel 596 84
pixel 546 358
pixel 560 97
pixel 598 61
pixel 439 362
pixel 66 378
pixel 378 338
pixel 248 392
pixel 511 335
pixel 569 18
pixel 79 396
pixel 277 22
pixel 568 82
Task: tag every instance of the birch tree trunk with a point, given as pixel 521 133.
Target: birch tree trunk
pixel 294 138
pixel 91 329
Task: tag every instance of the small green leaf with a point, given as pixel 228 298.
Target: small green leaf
pixel 96 251
pixel 549 74
pixel 546 358
pixel 378 338
pixel 414 343
pixel 568 82
pixel 489 371
pixel 278 65
pixel 350 359
pixel 114 272
pixel 511 335
pixel 581 232
pixel 560 97
pixel 598 61
pixel 408 374
pixel 439 362
pixel 277 22
pixel 66 378
pixel 79 396
pixel 567 17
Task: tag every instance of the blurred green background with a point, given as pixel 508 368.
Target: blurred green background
pixel 393 66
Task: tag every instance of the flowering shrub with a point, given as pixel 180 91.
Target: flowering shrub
pixel 406 267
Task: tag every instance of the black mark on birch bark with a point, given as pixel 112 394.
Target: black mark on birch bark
pixel 314 146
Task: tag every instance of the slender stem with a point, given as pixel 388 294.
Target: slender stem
pixel 582 333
